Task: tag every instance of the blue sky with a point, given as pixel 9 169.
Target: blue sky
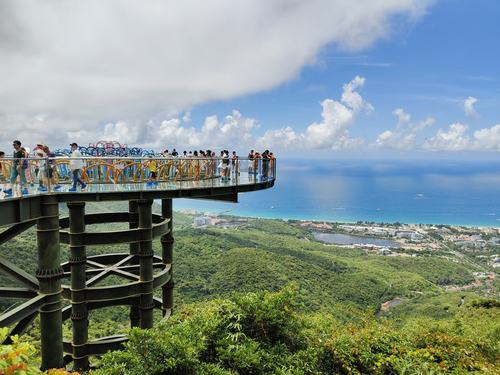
pixel 318 75
pixel 428 69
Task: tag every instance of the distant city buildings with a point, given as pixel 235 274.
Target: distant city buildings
pixel 213 220
pixel 411 239
pixel 410 235
pixel 475 241
pixel 315 225
pixel 202 221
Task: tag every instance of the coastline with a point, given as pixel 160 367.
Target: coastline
pixel 454 194
pixel 387 239
pixel 305 218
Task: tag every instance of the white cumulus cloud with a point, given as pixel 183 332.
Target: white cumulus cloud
pixel 403 117
pixel 454 139
pixel 80 64
pixel 487 139
pixel 332 133
pixel 235 130
pixel 404 137
pixel 469 106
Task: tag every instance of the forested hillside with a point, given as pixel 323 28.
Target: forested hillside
pixel 323 315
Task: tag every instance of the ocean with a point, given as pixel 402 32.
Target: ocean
pixel 432 192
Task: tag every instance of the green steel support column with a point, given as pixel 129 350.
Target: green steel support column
pixel 167 244
pixel 49 274
pixel 146 303
pixel 79 313
pixel 134 249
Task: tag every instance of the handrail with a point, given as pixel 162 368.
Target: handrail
pixel 50 173
pixel 169 157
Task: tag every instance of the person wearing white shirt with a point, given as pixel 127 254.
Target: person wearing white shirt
pixel 76 164
pixel 42 168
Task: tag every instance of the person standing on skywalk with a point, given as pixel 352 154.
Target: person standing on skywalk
pixel 76 165
pixel 18 169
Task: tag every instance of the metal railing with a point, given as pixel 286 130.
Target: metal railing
pixel 53 173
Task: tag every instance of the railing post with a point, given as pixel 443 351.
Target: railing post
pixel 77 260
pixel 134 250
pixel 47 173
pixel 49 274
pixel 146 304
pixel 167 245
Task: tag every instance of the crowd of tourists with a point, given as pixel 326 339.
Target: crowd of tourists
pixel 224 164
pixel 22 173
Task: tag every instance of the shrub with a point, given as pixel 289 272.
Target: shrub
pixel 266 333
pixel 256 333
pixel 20 358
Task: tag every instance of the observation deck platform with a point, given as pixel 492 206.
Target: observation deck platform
pixel 19 208
pixel 125 179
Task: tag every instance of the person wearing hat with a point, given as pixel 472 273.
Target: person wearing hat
pixel 76 164
pixel 39 146
pixel 18 169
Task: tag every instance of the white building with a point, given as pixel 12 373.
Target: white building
pixel 408 234
pixel 202 221
pixel 494 241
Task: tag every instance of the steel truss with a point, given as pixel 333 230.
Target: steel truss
pixel 142 270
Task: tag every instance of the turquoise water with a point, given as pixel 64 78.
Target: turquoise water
pixel 438 192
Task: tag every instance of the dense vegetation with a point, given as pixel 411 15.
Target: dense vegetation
pixel 328 322
pixel 267 255
pixel 266 333
pixel 20 358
